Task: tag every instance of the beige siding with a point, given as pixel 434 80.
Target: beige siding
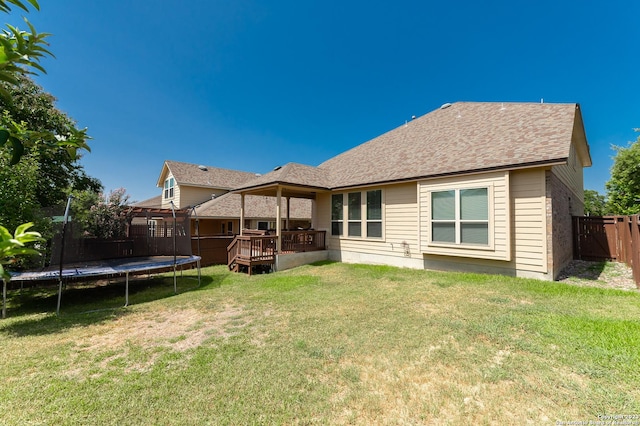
pixel 166 203
pixel 529 220
pixel 518 207
pixel 571 174
pixel 400 224
pixel 499 223
pixel 190 196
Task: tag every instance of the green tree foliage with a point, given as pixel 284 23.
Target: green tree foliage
pixel 623 189
pixel 20 54
pixel 594 203
pixel 57 171
pixel 12 246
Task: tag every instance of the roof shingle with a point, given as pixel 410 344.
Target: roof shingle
pixel 207 176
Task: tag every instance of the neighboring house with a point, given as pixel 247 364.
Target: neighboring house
pixel 204 190
pixel 486 187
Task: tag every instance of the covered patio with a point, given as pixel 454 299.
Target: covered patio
pixel 288 247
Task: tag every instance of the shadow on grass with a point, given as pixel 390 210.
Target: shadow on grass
pixel 584 270
pixel 323 263
pixel 85 304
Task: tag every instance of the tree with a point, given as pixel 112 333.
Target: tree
pixel 594 203
pixel 42 178
pixel 20 54
pixel 623 189
pixel 108 217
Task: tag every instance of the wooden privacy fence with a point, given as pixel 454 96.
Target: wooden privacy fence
pixel 614 238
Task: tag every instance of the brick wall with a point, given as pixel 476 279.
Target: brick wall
pixel 561 205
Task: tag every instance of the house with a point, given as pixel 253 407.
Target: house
pixel 205 190
pixel 484 187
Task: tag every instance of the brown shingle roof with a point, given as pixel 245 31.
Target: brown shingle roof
pixel 214 177
pixel 460 138
pixel 255 206
pixel 153 202
pixel 292 174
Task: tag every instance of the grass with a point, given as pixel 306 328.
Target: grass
pixel 322 344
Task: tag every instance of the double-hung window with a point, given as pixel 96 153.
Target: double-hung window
pixel 374 214
pixel 355 214
pixel 337 214
pixel 460 216
pixel 361 211
pixel 169 185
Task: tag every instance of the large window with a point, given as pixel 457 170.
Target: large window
pixel 337 214
pixel 460 216
pixel 374 214
pixel 355 214
pixel 168 188
pixel 362 212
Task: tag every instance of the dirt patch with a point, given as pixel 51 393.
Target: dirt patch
pixel 179 329
pixel 598 274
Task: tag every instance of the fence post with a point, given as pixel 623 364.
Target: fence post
pixel 635 249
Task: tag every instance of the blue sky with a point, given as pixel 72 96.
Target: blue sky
pixel 250 85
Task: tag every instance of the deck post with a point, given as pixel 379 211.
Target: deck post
pixel 288 213
pixel 279 220
pixel 313 214
pixel 241 212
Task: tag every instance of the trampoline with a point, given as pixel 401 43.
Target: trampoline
pixel 147 247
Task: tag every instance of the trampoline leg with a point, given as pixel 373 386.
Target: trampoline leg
pixel 126 289
pixel 59 297
pixel 175 282
pixel 4 298
pixel 198 263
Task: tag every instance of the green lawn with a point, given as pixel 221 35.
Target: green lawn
pixel 322 344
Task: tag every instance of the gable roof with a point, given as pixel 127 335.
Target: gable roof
pixel 293 174
pixel 255 206
pixel 459 138
pixel 203 176
pixel 153 202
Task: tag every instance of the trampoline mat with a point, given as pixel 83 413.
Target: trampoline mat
pixel 104 267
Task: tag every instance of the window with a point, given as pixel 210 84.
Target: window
pixel 355 214
pixel 168 188
pixel 460 216
pixel 374 214
pixel 336 214
pixel 152 226
pixel 363 211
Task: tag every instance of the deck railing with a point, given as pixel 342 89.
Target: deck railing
pixel 251 249
pixel 303 241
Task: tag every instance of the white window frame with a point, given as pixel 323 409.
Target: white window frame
pixel 362 220
pixel 169 188
pixel 458 221
pixel 339 221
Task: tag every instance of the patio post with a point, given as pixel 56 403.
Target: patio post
pixel 241 212
pixel 288 213
pixel 279 220
pixel 313 213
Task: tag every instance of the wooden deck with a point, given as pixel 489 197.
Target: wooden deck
pixel 256 249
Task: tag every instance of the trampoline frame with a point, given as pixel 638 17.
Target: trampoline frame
pixel 106 267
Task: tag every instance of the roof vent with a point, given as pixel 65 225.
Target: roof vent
pixel 213 196
pixel 445 106
pixel 203 168
pixel 258 174
pixel 277 168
